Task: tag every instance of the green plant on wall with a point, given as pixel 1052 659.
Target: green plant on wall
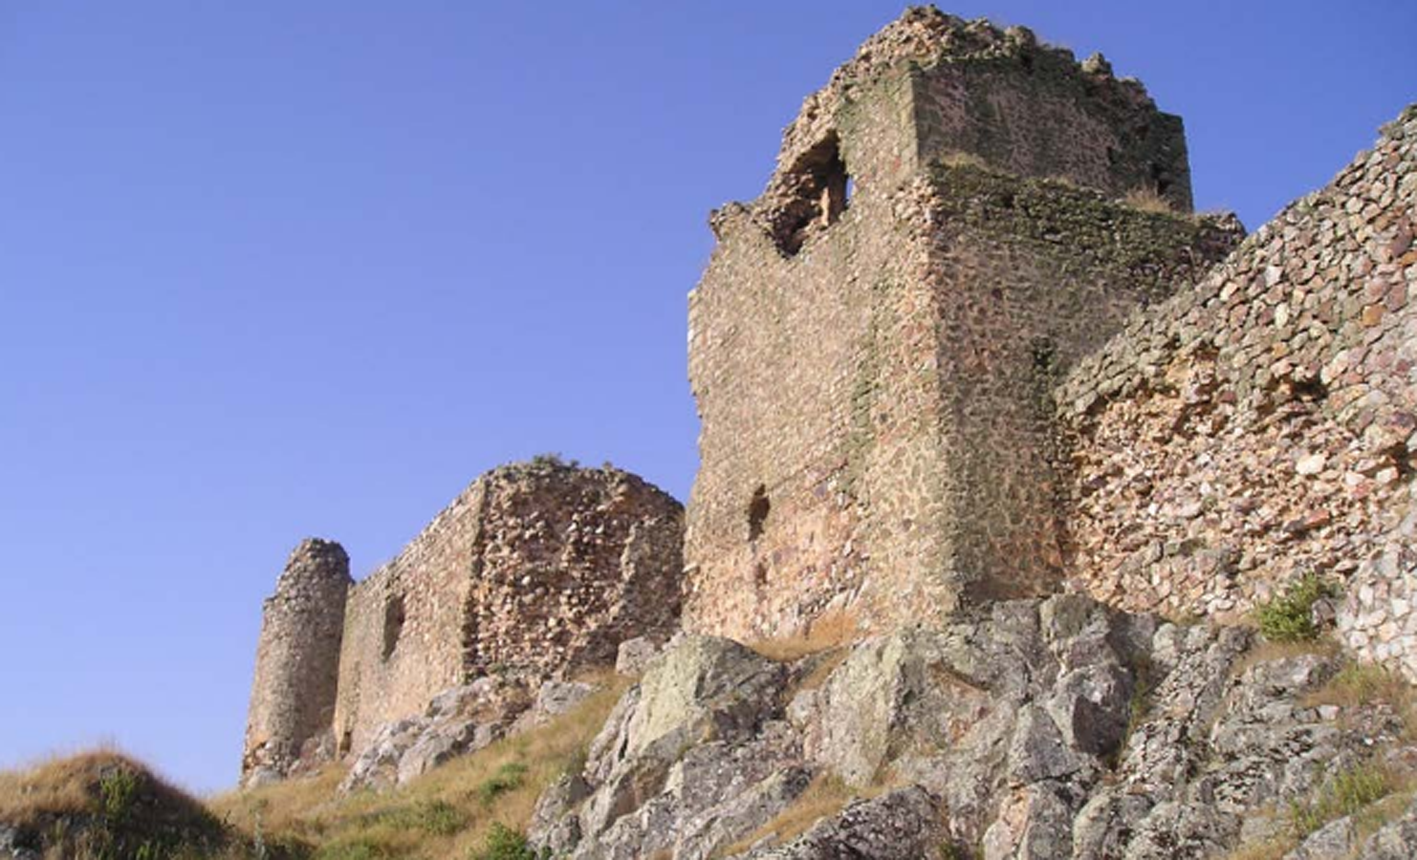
pixel 1288 617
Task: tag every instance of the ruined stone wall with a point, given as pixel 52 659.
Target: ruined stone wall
pixel 1033 110
pixel 539 569
pixel 1028 276
pixel 783 339
pixel 297 663
pixel 573 562
pixel 856 454
pixel 1260 425
pixel 404 626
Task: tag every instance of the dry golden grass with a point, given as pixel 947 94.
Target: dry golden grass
pixel 833 630
pixel 963 159
pixel 1265 651
pixel 103 803
pixel 55 786
pixel 1365 683
pixel 1371 792
pixel 827 663
pixel 1271 849
pixel 73 785
pixel 1146 199
pixel 824 797
pixel 447 812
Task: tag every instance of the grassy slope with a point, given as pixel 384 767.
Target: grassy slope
pixel 448 812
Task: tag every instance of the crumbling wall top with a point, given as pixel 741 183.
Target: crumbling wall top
pixel 925 36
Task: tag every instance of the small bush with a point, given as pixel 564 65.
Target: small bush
pixel 357 849
pixel 1289 616
pixel 509 777
pixel 118 788
pixel 434 817
pixel 504 843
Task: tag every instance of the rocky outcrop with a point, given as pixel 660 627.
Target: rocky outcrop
pixel 458 721
pixel 1035 729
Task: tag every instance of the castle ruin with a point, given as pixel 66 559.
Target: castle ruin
pixel 538 570
pixel 969 344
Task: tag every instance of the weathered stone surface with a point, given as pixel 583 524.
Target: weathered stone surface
pixel 1258 426
pixel 1395 841
pixel 1057 728
pixel 698 731
pixel 537 569
pixel 297 666
pixel 634 655
pixel 900 825
pixel 458 721
pixel 1333 841
pixel 10 847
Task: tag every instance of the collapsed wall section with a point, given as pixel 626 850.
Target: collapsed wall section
pixel 537 569
pixel 572 563
pixel 297 665
pixel 1260 426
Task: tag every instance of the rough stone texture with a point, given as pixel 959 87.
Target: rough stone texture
pixel 297 665
pixel 1040 729
pixel 900 825
pixel 872 373
pixel 1395 841
pixel 634 655
pixel 461 720
pixel 1261 424
pixel 535 571
pixel 10 847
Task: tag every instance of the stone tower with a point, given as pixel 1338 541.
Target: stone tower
pixel 873 344
pixel 297 664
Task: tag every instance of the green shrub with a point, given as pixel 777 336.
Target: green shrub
pixel 118 787
pixel 509 777
pixel 1289 616
pixel 504 843
pixel 434 817
pixel 356 849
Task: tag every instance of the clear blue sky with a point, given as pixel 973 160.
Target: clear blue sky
pixel 270 270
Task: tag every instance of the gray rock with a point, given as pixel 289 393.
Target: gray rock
pixel 1394 841
pixel 457 721
pixel 634 656
pixel 1334 841
pixel 1032 729
pixel 11 847
pixel 899 825
pixel 694 754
